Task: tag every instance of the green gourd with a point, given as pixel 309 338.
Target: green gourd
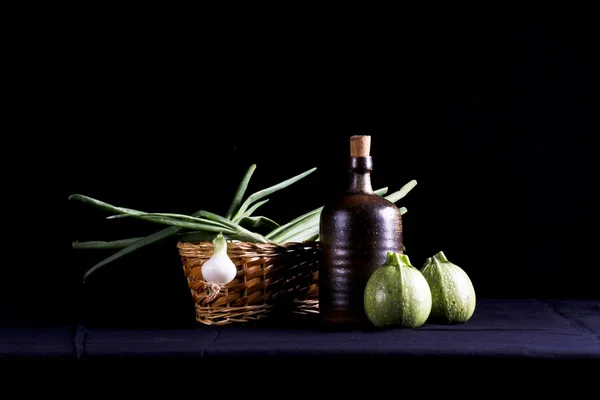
pixel 397 294
pixel 453 294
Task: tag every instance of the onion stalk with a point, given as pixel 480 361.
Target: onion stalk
pixel 202 224
pixel 239 223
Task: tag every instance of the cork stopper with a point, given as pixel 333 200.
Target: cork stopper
pixel 360 145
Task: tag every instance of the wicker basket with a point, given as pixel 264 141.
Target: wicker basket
pixel 269 277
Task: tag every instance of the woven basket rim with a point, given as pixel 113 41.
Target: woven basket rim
pixel 240 249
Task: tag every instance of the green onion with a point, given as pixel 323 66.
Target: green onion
pixel 241 231
pixel 265 192
pixel 183 217
pixel 292 223
pixel 307 235
pixel 101 245
pixel 207 226
pixel 202 224
pixel 239 194
pixel 381 192
pixel 251 210
pixel 308 226
pixel 258 222
pixel 102 205
pixel 184 221
pixel 145 241
pixel 396 196
pixel 212 223
pixel 185 224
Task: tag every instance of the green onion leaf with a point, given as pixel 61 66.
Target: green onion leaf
pixel 145 241
pixel 102 205
pixel 251 210
pixel 308 235
pixel 394 197
pixel 265 192
pixel 258 222
pixel 102 245
pixel 292 223
pixel 239 194
pixel 381 192
pixel 310 223
pixel 169 216
pixel 186 224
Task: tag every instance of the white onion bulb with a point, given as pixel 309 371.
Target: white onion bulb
pixel 219 268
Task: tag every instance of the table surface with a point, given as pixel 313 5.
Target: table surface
pixel 519 329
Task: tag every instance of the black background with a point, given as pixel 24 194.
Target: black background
pixel 492 110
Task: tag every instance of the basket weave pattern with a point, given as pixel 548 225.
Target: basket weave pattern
pixel 268 276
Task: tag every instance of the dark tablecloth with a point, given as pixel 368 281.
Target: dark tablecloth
pixel 39 346
pixel 500 329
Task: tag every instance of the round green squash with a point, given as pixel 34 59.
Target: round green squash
pixel 452 292
pixel 397 294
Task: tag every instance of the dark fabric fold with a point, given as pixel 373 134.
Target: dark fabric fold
pixel 584 314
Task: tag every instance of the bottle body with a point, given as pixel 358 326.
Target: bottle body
pixel 356 232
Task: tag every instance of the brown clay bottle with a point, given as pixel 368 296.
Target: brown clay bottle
pixel 356 232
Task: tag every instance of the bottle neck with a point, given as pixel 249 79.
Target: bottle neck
pixel 359 170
